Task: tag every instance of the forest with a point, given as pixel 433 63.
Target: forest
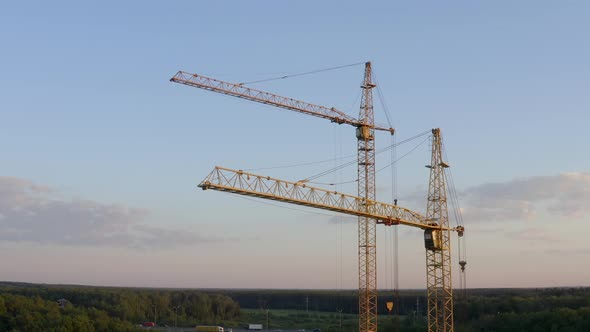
pixel 29 307
pixel 40 307
pixel 534 309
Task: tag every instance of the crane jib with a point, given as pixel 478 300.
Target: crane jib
pixel 260 186
pixel 240 91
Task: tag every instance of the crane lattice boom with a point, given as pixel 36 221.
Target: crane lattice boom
pixel 240 91
pixel 248 184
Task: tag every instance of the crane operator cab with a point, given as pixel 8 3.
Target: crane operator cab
pixel 433 239
pixel 364 133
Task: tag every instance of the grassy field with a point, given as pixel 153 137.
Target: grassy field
pixel 301 319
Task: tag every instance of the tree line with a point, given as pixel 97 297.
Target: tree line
pixel 28 307
pixel 535 309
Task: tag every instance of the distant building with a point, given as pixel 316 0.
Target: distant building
pixel 62 303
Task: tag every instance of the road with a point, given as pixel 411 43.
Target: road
pixel 192 329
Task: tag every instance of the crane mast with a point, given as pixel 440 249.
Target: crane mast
pixel 367 236
pixel 438 255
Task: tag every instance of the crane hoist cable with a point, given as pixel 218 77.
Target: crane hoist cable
pixel 404 155
pixel 352 162
pixel 310 179
pixel 338 152
pixel 461 246
pixel 299 165
pixel 394 273
pixel 453 193
pixel 382 100
pixel 340 158
pixel 302 74
pixel 395 230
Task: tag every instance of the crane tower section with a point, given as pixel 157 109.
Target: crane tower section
pixel 367 237
pixel 438 246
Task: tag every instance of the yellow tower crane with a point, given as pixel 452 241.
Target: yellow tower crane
pixel 364 206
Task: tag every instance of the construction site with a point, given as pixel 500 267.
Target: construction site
pixel 371 213
pixel 305 166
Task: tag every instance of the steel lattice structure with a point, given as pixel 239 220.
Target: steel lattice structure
pixel 369 211
pixel 249 184
pixel 438 259
pixel 367 229
pixel 240 91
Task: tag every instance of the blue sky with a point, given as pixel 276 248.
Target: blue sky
pixel 102 154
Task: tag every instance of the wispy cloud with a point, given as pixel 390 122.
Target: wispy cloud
pixel 563 195
pixel 534 234
pixel 30 212
pixel 583 252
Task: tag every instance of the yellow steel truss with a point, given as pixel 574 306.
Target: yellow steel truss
pixel 369 212
pixel 261 186
pixel 438 259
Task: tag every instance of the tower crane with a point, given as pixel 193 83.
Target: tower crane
pixel 364 206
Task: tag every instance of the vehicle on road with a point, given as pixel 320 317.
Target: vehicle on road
pixel 203 328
